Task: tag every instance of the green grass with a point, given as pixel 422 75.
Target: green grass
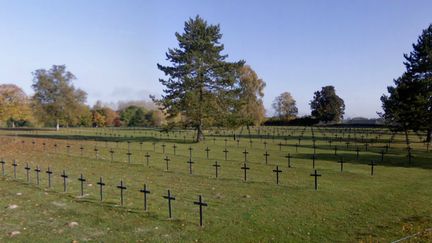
pixel 350 206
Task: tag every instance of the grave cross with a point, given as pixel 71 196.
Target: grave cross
pixel 174 147
pixel 277 171
pixel 14 164
pixel 226 152
pixel 169 197
pixel 372 164
pixel 316 175
pixel 167 161
pixel 82 180
pixel 382 156
pixel 3 163
pixel 201 204
pixel 37 170
pixel 265 144
pixel 341 162
pixel 145 192
pixel 335 150
pixel 280 146
pixel 357 152
pixel 112 154
pixel 27 168
pixel 101 185
pixel 250 142
pixel 216 165
pixel 190 162
pixel 129 156
pixel 245 155
pixel 266 155
pixel 288 156
pixel 49 172
pixel 207 151
pixel 245 169
pixel 81 150
pixel 96 152
pixel 147 155
pixel 296 146
pixel 122 187
pixel 64 180
pixel 163 148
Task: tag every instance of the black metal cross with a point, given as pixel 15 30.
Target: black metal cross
pixel 147 155
pixel 226 152
pixel 245 169
pixel 265 144
pixel 316 175
pixel 167 161
pixel 82 180
pixel 190 152
pixel 49 172
pixel 207 151
pixel 145 192
pixel 288 156
pixel 201 205
pixel 129 156
pixel 372 164
pixel 245 155
pixel 37 170
pixel 27 168
pixel 81 149
pixel 169 197
pixel 101 185
pixel 382 156
pixel 357 152
pixel 266 155
pixel 190 162
pixel 341 162
pixel 277 171
pixel 14 164
pixel 122 187
pixel 216 165
pixel 112 154
pixel 174 147
pixel 163 148
pixel 335 150
pixel 296 146
pixel 280 146
pixel 64 180
pixel 96 152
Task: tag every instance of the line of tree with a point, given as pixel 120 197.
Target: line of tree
pixel 408 106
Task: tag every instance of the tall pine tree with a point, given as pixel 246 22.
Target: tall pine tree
pixel 201 85
pixel 409 104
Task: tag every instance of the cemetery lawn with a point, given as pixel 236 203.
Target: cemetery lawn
pixel 349 206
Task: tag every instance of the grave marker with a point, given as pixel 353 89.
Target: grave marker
pixel 245 169
pixel 216 165
pixel 277 171
pixel 49 172
pixel 122 187
pixel 372 164
pixel 37 170
pixel 266 155
pixel 14 164
pixel 190 162
pixel 288 156
pixel 316 175
pixel 167 161
pixel 169 197
pixel 82 180
pixel 27 168
pixel 64 176
pixel 201 204
pixel 145 192
pixel 101 185
pixel 3 163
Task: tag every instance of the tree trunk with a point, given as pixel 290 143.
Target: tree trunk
pixel 200 134
pixel 428 135
pixel 13 124
pixel 407 139
pixel 57 125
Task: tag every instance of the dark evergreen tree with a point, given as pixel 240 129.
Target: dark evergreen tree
pixel 201 84
pixel 326 106
pixel 409 104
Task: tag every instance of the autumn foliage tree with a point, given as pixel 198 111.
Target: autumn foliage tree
pixel 285 106
pixel 14 105
pixel 56 100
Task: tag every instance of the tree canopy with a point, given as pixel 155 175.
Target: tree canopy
pixel 201 84
pixel 409 103
pixel 326 106
pixel 56 100
pixel 285 106
pixel 14 104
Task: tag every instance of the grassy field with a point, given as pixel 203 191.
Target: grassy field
pixel 349 206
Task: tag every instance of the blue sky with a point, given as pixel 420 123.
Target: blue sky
pixel 297 46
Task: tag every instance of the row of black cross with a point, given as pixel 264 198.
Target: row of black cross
pixel 122 187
